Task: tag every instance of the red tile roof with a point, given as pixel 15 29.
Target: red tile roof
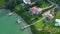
pixel 35 10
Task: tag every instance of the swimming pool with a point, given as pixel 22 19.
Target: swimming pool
pixel 8 24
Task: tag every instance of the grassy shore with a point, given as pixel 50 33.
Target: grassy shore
pixel 2 3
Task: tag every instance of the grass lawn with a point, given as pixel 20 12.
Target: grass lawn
pixel 49 26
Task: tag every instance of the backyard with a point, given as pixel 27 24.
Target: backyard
pixel 50 25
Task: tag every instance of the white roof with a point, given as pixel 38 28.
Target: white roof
pixel 27 1
pixel 18 21
pixel 57 22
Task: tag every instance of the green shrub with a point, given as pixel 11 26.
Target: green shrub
pixel 18 9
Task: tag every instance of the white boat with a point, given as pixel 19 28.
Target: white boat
pixel 10 13
pixel 18 21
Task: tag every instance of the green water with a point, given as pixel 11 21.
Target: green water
pixel 8 24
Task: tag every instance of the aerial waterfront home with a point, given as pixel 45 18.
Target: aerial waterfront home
pixel 35 10
pixel 48 16
pixel 28 2
pixel 29 16
pixel 57 22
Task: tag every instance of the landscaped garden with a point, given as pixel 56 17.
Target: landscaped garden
pixel 38 19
